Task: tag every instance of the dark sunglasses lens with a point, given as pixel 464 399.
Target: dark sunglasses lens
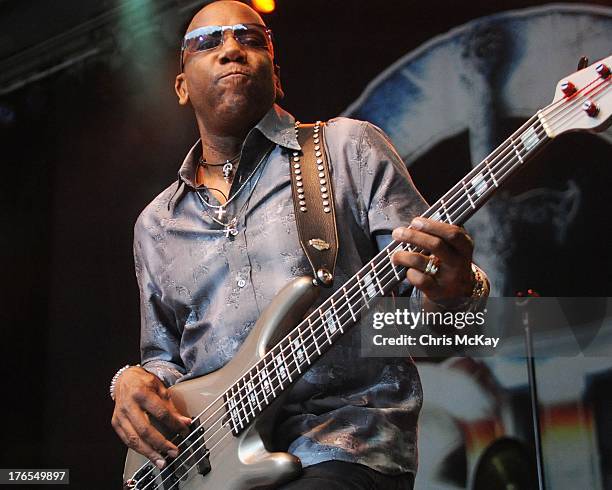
pixel 251 36
pixel 203 41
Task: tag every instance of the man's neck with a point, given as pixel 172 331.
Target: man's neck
pixel 223 140
pixel 217 148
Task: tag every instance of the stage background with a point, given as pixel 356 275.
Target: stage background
pixel 85 147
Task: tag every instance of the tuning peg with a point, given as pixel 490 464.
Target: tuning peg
pixel 603 70
pixel 568 88
pixel 583 62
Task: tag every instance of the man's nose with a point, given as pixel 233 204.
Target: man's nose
pixel 232 50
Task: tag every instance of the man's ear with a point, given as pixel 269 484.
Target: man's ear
pixel 180 87
pixel 277 83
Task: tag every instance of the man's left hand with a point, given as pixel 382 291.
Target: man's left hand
pixel 452 248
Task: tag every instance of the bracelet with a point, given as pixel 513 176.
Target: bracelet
pixel 115 378
pixel 481 284
pixel 480 289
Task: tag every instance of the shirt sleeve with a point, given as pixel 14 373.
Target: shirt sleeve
pixel 389 195
pixel 159 335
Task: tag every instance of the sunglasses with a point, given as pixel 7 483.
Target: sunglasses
pixel 211 37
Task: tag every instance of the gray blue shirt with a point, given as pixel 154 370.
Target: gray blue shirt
pixel 201 292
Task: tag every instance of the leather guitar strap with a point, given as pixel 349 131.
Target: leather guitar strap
pixel 313 202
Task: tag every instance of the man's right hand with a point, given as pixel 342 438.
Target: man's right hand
pixel 138 396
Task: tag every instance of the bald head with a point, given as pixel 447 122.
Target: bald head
pixel 224 12
pixel 232 85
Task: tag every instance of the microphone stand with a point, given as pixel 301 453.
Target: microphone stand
pixel 533 387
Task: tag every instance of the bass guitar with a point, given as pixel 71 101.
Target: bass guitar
pixel 232 408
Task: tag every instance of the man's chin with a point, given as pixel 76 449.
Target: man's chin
pixel 238 106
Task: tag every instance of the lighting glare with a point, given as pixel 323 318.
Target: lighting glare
pixel 264 6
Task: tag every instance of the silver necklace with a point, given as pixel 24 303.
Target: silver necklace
pixel 230 227
pixel 228 165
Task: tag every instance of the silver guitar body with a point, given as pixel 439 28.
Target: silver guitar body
pixel 243 461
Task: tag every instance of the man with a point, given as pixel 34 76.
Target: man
pixel 213 250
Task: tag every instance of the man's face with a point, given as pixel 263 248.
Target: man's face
pixel 231 82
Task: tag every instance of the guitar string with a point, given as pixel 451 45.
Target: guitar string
pixel 252 375
pixel 322 333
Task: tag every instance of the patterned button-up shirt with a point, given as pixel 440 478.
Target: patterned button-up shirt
pixel 201 292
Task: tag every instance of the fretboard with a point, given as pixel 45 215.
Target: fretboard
pixel 286 362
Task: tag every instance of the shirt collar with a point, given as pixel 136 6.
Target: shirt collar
pixel 277 125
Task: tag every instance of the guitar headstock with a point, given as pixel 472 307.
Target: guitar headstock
pixel 582 102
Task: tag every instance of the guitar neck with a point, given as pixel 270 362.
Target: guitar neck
pixel 476 188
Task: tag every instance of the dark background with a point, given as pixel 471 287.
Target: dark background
pixel 86 148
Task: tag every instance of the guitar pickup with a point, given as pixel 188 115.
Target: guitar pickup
pixel 198 449
pixel 193 455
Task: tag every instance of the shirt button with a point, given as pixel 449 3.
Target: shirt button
pixel 241 283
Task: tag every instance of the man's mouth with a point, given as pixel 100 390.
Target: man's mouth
pixel 234 74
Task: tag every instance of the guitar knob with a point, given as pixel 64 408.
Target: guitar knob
pixel 590 108
pixel 568 88
pixel 603 70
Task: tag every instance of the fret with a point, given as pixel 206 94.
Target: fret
pixel 264 388
pixel 233 412
pixel 251 397
pixel 286 365
pixel 293 347
pixel 246 401
pixel 323 324
pixel 268 382
pixel 445 211
pixel 240 402
pixel 377 280
pixel 392 267
pixel 281 365
pixel 491 173
pixel 336 314
pixel 279 369
pixel 304 346
pixel 314 338
pixel 360 288
pixel 330 322
pixel 467 193
pixel 516 150
pixel 348 302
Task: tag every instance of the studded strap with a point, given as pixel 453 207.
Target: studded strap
pixel 313 201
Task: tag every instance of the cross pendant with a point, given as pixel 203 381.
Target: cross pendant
pixel 230 228
pixel 220 212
